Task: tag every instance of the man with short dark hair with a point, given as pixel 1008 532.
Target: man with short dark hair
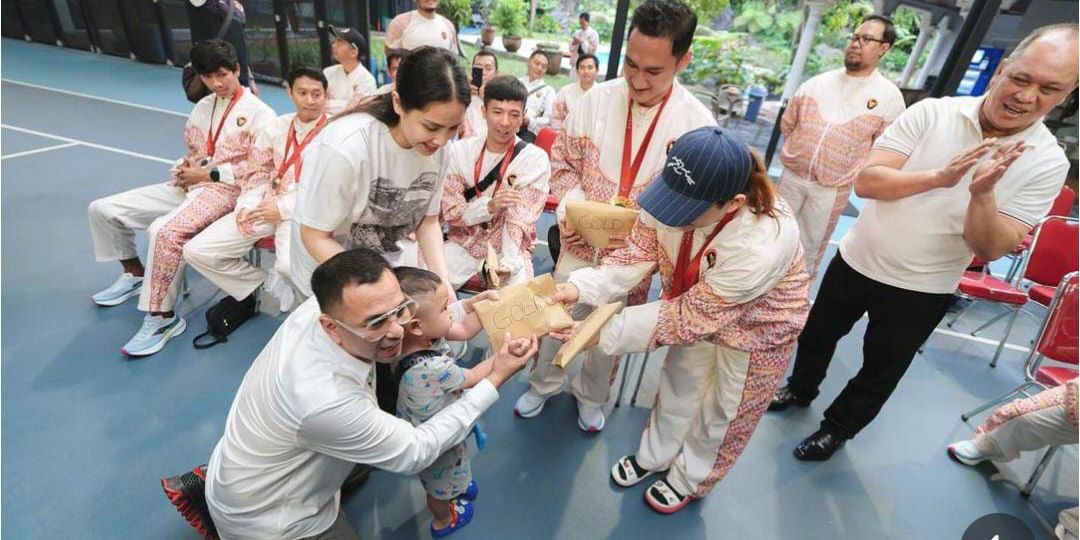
pixel 540 106
pixel 950 179
pixel 495 190
pixel 475 125
pixel 609 150
pixel 569 96
pixel 584 40
pixel 205 184
pixel 393 60
pixel 306 412
pixel 266 202
pixel 348 80
pixel 829 126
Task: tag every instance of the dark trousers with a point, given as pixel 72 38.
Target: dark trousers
pixel 900 322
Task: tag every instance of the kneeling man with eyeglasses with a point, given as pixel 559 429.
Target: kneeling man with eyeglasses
pixel 306 412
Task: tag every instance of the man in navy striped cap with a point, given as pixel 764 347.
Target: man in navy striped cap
pixel 734 301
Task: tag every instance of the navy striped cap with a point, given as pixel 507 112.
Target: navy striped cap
pixel 706 166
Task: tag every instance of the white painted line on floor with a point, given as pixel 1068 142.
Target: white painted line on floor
pixel 99 98
pixel 39 150
pixel 977 339
pixel 90 144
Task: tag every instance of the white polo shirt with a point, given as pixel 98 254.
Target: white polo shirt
pixel 917 243
pixel 305 413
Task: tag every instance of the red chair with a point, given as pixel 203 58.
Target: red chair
pixel 1062 206
pixel 1053 254
pixel 1057 340
pixel 545 139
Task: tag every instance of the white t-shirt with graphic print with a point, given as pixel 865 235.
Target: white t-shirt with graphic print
pixel 359 184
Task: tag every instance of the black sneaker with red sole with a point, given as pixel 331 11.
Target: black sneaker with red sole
pixel 187 492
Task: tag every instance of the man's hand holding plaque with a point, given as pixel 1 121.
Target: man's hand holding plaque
pixel 600 225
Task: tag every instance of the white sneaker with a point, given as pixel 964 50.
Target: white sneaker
pixel 155 332
pixel 590 419
pixel 529 404
pixel 125 286
pixel 966 452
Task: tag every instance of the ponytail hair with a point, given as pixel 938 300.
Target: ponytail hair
pixel 426 75
pixel 760 190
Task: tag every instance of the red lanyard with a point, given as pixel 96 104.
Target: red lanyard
pixel 630 169
pixel 211 135
pixel 502 168
pixel 687 271
pixel 293 159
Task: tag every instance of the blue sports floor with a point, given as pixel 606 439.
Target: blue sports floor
pixel 87 433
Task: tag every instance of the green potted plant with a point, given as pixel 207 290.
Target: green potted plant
pixel 554 56
pixel 509 17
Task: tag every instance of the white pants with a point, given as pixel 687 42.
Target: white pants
pixel 701 390
pixel 158 208
pixel 219 253
pixel 592 384
pixel 463 266
pixel 1033 423
pixel 1029 431
pixel 817 208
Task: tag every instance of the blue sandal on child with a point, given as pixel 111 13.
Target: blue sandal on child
pixel 471 491
pixel 461 513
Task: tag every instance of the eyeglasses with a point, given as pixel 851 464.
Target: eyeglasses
pixel 377 328
pixel 864 40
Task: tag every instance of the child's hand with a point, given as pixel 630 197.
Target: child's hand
pixel 486 295
pixel 513 356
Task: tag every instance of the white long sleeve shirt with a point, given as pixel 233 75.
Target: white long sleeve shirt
pixel 305 413
pixel 540 105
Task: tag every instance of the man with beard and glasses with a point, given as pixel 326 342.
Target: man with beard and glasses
pixel 951 178
pixel 829 126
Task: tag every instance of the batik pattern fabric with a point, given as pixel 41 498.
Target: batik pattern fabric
pixel 1065 394
pixel 832 122
pixel 267 155
pixel 528 173
pixel 586 158
pixel 212 200
pixel 751 296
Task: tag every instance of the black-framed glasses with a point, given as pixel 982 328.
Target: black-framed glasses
pixel 376 328
pixel 864 40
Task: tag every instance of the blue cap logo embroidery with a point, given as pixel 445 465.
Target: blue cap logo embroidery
pixel 680 169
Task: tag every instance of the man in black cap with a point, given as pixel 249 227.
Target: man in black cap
pixel 348 80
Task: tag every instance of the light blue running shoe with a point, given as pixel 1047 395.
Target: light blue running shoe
pixel 125 286
pixel 155 332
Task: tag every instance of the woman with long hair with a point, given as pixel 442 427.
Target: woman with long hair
pixel 735 297
pixel 374 175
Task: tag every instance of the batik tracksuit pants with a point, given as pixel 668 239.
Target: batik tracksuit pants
pixel 171 217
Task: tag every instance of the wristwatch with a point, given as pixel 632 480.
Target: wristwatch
pixel 215 175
